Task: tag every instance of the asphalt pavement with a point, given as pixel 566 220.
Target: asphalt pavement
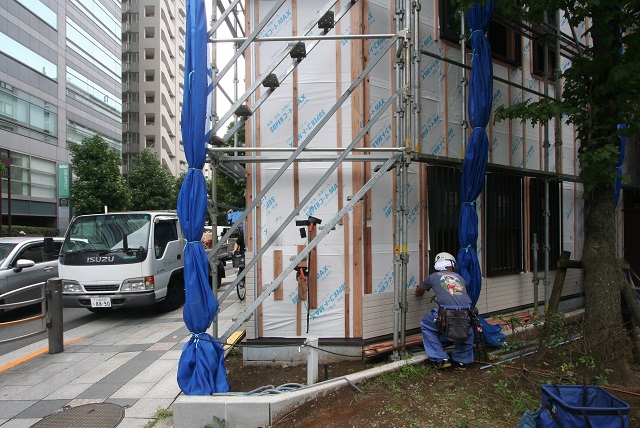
pixel 122 367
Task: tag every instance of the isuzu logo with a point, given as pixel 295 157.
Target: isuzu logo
pixel 105 259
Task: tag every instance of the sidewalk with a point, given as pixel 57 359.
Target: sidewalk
pixel 128 358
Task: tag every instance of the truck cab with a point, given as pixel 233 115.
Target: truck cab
pixel 128 259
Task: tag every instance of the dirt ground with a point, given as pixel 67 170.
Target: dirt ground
pixel 414 396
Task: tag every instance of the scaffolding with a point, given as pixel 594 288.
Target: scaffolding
pixel 405 99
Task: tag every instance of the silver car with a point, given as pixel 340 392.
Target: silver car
pixel 24 261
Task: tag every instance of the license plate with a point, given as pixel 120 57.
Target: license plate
pixel 100 302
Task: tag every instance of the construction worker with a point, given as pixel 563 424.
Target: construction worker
pixel 452 319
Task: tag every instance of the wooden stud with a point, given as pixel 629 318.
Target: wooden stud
pixel 357 56
pixel 344 223
pixel 278 294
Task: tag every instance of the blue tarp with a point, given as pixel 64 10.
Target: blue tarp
pixel 201 370
pixel 475 160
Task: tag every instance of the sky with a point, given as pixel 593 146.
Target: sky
pixel 224 52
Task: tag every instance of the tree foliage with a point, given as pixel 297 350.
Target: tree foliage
pixel 152 185
pixel 231 192
pixel 600 92
pixel 600 87
pixel 98 180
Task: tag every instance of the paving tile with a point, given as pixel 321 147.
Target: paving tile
pixel 138 347
pixel 173 354
pixel 147 408
pixel 133 423
pixel 122 402
pixel 101 390
pixel 11 408
pixel 155 371
pixel 20 423
pixel 81 402
pixel 167 387
pixel 69 391
pixel 42 408
pixel 105 368
pixel 161 346
pixel 10 391
pixel 133 390
pixel 126 372
pixel 47 386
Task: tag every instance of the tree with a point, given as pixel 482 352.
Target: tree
pixel 152 185
pixel 601 88
pixel 99 182
pixel 230 191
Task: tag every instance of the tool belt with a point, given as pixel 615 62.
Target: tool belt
pixel 454 323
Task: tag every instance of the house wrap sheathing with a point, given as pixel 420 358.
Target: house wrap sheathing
pixel 351 271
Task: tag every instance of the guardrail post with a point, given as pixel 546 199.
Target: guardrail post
pixel 54 315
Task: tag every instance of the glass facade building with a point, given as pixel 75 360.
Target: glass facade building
pixel 60 81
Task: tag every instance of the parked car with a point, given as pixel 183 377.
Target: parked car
pixel 24 261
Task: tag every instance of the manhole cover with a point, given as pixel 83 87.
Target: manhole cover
pixel 96 415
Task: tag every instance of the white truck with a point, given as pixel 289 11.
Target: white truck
pixel 127 259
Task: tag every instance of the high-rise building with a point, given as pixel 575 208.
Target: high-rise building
pixel 153 36
pixel 60 81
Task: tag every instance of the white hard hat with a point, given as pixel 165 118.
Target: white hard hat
pixel 444 260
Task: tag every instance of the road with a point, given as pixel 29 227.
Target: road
pixel 72 318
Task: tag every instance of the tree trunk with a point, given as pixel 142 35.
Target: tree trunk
pixel 604 332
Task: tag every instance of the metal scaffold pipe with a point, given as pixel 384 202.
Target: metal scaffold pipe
pixel 307 149
pixel 398 114
pixel 303 38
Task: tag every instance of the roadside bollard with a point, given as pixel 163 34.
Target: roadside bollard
pixel 312 360
pixel 54 315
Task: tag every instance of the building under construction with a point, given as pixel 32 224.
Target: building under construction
pixel 356 130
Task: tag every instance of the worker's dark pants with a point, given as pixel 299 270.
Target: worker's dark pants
pixel 462 351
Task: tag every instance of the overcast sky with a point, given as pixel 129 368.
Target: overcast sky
pixel 224 52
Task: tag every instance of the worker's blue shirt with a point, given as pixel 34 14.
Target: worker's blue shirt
pixel 449 287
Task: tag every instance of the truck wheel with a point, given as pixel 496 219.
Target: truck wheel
pixel 175 295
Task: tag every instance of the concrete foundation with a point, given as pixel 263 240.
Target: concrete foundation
pixel 230 410
pixel 296 354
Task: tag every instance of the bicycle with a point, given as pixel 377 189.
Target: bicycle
pixel 238 262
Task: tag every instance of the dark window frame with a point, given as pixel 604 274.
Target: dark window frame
pixel 506 42
pixel 443 185
pixel 503 201
pixel 537 49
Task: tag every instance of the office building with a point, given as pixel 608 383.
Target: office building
pixel 60 81
pixel 153 36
